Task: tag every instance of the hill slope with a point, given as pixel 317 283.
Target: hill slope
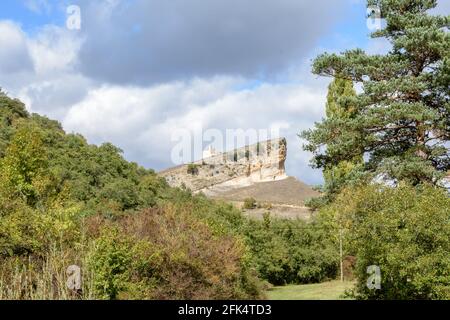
pixel 288 191
pixel 255 171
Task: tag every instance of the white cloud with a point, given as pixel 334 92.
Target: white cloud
pixel 14 55
pixel 41 70
pixel 141 120
pixel 152 41
pixel 54 49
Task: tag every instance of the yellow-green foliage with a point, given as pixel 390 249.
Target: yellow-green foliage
pixel 287 251
pixel 111 262
pixel 32 277
pixel 403 230
pixel 23 169
pixel 64 202
pixel 57 190
pixel 249 203
pixel 30 219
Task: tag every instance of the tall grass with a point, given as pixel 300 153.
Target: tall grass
pixel 43 277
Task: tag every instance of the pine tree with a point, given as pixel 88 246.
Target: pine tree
pixel 402 117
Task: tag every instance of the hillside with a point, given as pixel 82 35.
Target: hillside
pixel 64 202
pixel 255 171
pixel 288 191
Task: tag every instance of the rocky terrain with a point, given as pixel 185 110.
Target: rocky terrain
pixel 256 171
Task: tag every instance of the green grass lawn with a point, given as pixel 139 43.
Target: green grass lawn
pixel 331 290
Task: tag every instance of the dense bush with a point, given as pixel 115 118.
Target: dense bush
pixel 292 251
pixel 405 231
pixel 192 169
pixel 249 203
pixel 282 250
pixel 54 187
pixel 169 254
pixel 63 202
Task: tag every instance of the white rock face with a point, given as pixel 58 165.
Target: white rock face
pixel 245 166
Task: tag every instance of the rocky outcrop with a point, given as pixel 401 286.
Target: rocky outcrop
pixel 260 162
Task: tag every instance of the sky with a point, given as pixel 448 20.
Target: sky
pixel 133 72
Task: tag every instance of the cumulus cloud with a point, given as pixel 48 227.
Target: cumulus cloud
pixel 137 71
pixel 142 120
pixel 14 54
pixel 41 69
pixel 153 41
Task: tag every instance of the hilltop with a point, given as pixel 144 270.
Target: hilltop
pixel 254 171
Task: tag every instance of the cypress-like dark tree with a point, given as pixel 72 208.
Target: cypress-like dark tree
pixel 402 116
pixel 339 106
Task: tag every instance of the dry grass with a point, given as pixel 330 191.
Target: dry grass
pixel 42 278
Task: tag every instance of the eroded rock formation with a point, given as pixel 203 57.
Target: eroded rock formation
pixel 263 161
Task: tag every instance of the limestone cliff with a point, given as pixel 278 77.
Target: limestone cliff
pixel 263 161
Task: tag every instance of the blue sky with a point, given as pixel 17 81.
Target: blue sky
pixel 21 11
pixel 139 70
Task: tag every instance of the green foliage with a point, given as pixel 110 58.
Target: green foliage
pixel 402 117
pixel 192 169
pixel 21 229
pixel 10 112
pixel 170 254
pixel 405 231
pixel 29 214
pixel 281 251
pixel 339 106
pixel 110 262
pixel 37 149
pixel 249 203
pixel 24 165
pixel 339 99
pixel 55 188
pixel 292 251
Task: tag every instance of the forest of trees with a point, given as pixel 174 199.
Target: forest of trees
pixel 384 152
pixel 64 202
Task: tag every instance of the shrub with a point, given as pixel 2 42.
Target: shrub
pixel 292 251
pixel 43 276
pixel 170 254
pixel 110 262
pixel 249 203
pixel 192 169
pixel 405 231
